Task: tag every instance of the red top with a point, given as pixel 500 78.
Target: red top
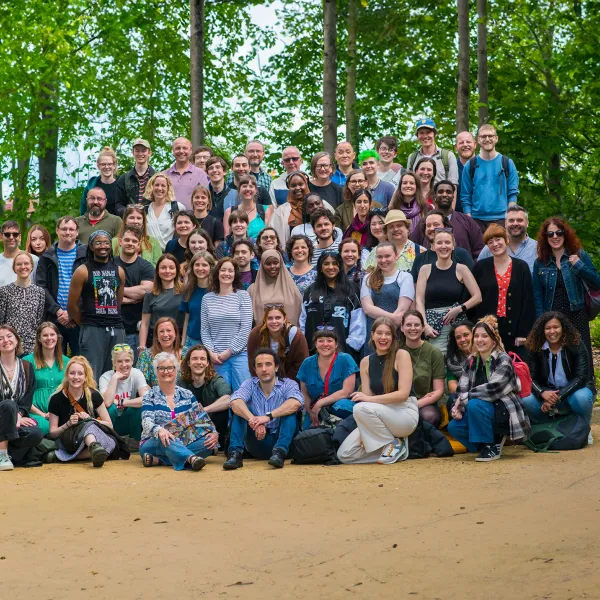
pixel 503 283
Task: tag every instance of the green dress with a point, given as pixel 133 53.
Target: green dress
pixel 46 382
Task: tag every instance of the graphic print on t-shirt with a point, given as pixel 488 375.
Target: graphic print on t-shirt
pixel 106 286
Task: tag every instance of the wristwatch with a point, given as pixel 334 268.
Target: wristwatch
pixel 270 415
pixel 464 308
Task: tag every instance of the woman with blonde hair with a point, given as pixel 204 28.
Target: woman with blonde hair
pixel 38 240
pixel 79 421
pixel 135 216
pixel 49 365
pixel 22 302
pixel 161 207
pixel 107 163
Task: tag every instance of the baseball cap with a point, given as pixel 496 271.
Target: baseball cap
pixel 141 142
pixel 394 216
pixel 425 124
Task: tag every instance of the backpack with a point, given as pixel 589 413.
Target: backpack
pixel 314 446
pixel 174 207
pixel 473 165
pixel 410 163
pixel 569 432
pixel 522 370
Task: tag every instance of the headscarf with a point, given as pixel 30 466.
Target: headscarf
pixel 89 254
pixel 359 231
pixel 295 217
pixel 282 290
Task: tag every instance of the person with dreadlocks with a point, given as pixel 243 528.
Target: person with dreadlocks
pixel 99 285
pixel 488 387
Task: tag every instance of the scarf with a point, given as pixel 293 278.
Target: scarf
pixel 266 290
pixel 295 217
pixel 357 230
pixel 6 389
pixel 412 212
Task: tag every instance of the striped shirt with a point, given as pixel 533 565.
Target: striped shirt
pixel 142 181
pixel 258 404
pixel 226 321
pixel 333 248
pixel 66 259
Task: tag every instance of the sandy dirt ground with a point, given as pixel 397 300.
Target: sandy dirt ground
pixel 526 526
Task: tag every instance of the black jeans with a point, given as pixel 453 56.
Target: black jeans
pixel 20 440
pixel 70 337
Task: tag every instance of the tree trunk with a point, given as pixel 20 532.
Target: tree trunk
pixel 329 76
pixel 351 115
pixel 197 70
pixel 48 143
pixel 462 89
pixel 482 68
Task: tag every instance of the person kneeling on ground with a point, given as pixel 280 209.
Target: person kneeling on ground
pixel 265 419
pixel 559 371
pixel 122 390
pixel 387 413
pixel 488 378
pixel 176 431
pixel 79 421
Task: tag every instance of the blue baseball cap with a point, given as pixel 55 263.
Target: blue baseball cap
pixel 425 124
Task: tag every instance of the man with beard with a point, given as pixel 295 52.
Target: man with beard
pixel 465 148
pixel 466 232
pixel 97 217
pixel 98 285
pixel 520 245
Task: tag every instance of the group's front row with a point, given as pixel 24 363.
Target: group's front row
pixel 51 411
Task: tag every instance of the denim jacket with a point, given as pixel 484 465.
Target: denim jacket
pixel 544 281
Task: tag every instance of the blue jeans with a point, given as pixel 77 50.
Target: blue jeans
pixel 243 436
pixel 580 402
pixel 189 342
pixel 476 426
pixel 133 339
pixel 234 370
pixel 175 454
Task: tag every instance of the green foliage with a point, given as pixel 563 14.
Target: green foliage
pixel 595 332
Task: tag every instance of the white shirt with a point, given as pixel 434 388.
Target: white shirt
pixel 126 388
pixel 307 230
pixel 404 280
pixel 7 275
pixel 162 228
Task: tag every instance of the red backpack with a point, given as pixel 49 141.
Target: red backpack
pixel 522 370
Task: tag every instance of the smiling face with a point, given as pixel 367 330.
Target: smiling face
pixel 386 258
pixel 444 196
pixel 387 154
pixel 376 227
pixel 255 153
pixel 497 246
pixel 123 363
pixel 240 166
pixel 48 338
pixel 23 266
pixel 200 202
pixel 201 158
pixel 465 145
pixel 96 202
pixel 432 222
pixel 160 189
pixel 275 321
pixel 323 229
pixel 300 251
pixel 196 243
pixel 516 224
pixel 350 255
pixel 412 328
pixel 330 268
pixel 8 341
pixel 37 241
pixel 291 159
pixel 426 136
pixel 370 166
pixel 555 236
pixel 167 271
pixel 183 226
pixel 425 172
pixel 198 362
pixel 464 339
pixel 397 232
pixel 101 247
pixel 141 154
pixel 182 150
pixel 106 166
pixel 312 203
pixel 248 191
pixel 215 172
pixel 382 337
pixel 201 269
pixel 297 186
pixel 323 168
pixel 226 273
pixel 243 255
pixel 356 181
pixel 75 375
pixel 483 343
pixel 135 219
pixel 239 228
pixel 166 372
pixel 553 331
pixel 443 244
pixel 268 240
pixel 166 336
pixel 408 187
pixel 487 139
pixel 272 267
pixel 326 346
pixel 362 206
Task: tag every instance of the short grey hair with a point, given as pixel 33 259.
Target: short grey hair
pixel 162 357
pixel 517 208
pixel 254 142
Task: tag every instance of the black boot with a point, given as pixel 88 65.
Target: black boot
pixel 234 461
pixel 277 459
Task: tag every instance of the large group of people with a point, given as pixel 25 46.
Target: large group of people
pixel 198 310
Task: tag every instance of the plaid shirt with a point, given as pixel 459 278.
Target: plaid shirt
pixel 263 179
pixel 503 384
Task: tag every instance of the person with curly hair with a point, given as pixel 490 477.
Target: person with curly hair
pixel 562 381
pixel 561 274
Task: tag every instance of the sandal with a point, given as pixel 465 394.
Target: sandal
pixel 196 463
pixel 150 461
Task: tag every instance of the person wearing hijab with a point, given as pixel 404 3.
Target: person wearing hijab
pixel 290 214
pixel 274 285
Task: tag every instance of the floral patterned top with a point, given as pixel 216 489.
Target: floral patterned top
pixel 405 260
pixel 303 281
pixel 23 308
pixel 144 364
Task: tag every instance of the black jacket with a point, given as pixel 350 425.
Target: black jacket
pixel 520 305
pixel 47 276
pixel 128 188
pixel 575 362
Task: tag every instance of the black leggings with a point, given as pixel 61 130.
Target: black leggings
pixel 21 440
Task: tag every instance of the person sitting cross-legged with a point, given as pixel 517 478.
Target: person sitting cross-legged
pixel 264 419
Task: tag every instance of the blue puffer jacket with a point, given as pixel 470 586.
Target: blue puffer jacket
pixel 544 281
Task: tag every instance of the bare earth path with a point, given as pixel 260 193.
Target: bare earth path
pixel 526 526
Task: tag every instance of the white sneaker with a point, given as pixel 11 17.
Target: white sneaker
pixel 5 462
pixel 590 438
pixel 393 452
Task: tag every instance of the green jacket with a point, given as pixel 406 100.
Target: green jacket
pixel 109 223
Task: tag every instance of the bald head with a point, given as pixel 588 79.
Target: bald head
pixel 182 151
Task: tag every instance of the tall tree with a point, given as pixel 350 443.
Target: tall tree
pixel 482 62
pixel 197 70
pixel 351 114
pixel 329 75
pixel 462 89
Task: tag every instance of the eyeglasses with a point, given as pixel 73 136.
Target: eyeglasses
pixel 558 233
pixel 10 234
pixel 274 305
pixel 101 243
pixel 168 369
pixel 490 136
pixel 327 166
pixel 121 348
pixel 290 159
pixel 96 199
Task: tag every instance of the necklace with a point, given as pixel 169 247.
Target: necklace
pixel 416 362
pixel 249 212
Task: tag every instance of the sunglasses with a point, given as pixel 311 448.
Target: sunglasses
pixel 290 159
pixel 10 234
pixel 444 229
pixel 380 212
pixel 325 328
pixel 274 305
pixel 122 348
pixel 558 233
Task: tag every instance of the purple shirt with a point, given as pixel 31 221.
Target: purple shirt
pixel 184 184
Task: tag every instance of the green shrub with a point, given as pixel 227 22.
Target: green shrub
pixel 595 331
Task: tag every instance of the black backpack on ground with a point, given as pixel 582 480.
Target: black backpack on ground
pixel 314 446
pixel 560 433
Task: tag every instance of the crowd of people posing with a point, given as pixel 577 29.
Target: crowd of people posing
pixel 193 311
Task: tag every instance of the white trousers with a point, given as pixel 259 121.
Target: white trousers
pixel 378 425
